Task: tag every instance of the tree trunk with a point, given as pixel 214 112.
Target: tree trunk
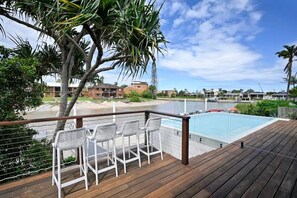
pixel 66 108
pixel 288 86
pixel 63 99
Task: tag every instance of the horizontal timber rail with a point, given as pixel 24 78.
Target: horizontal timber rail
pixel 79 123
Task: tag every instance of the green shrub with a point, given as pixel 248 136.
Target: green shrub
pixel 134 93
pixel 262 108
pixel 135 99
pixel 147 94
pixel 70 160
pixel 249 109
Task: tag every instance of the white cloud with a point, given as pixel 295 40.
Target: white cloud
pixel 178 21
pixel 14 29
pixel 207 42
pixel 177 7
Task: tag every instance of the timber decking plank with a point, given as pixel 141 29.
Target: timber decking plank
pixel 253 169
pixel 264 177
pixel 289 181
pixel 213 167
pixel 132 184
pixel 147 186
pixel 278 176
pixel 294 191
pixel 204 178
pixel 185 179
pixel 223 176
pixel 105 186
pixel 214 174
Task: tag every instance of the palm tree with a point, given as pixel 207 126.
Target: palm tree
pixel 123 34
pixel 293 80
pixel 288 53
pixel 48 56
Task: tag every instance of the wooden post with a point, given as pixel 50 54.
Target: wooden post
pixel 146 117
pixel 185 140
pixel 79 124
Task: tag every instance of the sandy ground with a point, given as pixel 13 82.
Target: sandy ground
pixel 104 105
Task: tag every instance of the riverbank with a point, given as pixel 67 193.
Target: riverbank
pixel 85 107
pixel 201 100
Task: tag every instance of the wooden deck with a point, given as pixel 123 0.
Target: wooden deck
pixel 266 167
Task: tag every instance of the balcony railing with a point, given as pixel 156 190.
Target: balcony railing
pixel 25 145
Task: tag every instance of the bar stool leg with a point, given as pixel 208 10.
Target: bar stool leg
pixel 59 173
pixel 54 164
pixel 129 154
pixel 107 157
pixel 138 150
pixel 85 166
pixel 160 145
pixel 148 148
pixel 80 160
pixel 124 157
pixel 96 162
pixel 151 142
pixel 115 158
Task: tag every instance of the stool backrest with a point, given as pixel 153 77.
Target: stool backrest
pixel 104 132
pixel 70 139
pixel 153 124
pixel 130 128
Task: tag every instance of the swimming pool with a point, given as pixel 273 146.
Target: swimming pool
pixel 224 127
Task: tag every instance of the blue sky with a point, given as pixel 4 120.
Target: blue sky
pixel 229 44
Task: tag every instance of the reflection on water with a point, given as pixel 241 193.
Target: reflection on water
pixel 170 107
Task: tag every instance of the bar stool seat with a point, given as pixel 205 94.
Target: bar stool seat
pixel 130 128
pixel 152 126
pixel 103 133
pixel 67 140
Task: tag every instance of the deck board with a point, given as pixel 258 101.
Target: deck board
pixel 225 171
pixel 266 167
pixel 254 168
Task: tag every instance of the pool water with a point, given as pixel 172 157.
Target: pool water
pixel 225 127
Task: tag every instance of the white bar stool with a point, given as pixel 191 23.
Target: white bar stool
pixel 103 133
pixel 67 140
pixel 129 129
pixel 152 125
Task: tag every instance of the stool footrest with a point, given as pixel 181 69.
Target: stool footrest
pixel 72 182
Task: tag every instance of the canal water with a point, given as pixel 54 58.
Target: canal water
pixel 175 107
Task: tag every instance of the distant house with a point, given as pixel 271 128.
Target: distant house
pixel 229 95
pixel 168 92
pixel 54 89
pixel 105 91
pixel 211 93
pixel 279 96
pixel 252 96
pixel 137 86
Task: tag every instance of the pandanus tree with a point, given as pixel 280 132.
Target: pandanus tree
pixel 104 34
pixel 288 53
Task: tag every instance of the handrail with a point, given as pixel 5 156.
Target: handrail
pixel 6 123
pixel 170 114
pixel 79 123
